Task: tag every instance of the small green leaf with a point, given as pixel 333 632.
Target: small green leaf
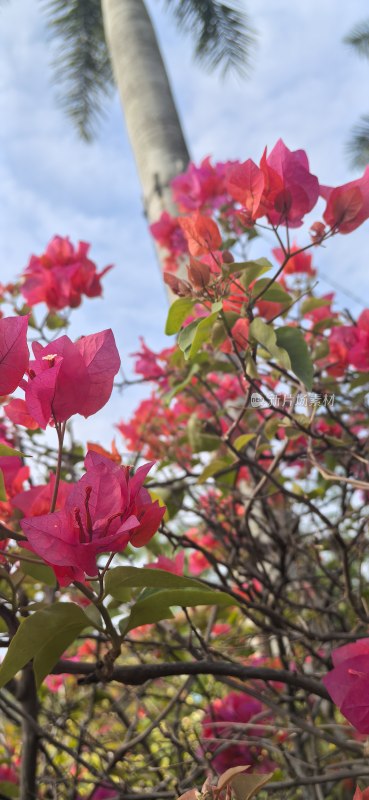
pixel 39 572
pixel 155 605
pixel 266 336
pixel 5 450
pixel 180 386
pixel 43 637
pixel 219 333
pixel 275 293
pixel 200 440
pixel 3 495
pixel 215 466
pixel 9 790
pixel 292 340
pixel 55 321
pixel 243 440
pixel 250 269
pixel 361 380
pixel 177 314
pixel 312 303
pixel 202 334
pixel 186 337
pixel 120 578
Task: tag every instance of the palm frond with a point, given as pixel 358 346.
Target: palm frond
pixel 82 67
pixel 358 146
pixel 222 33
pixel 359 38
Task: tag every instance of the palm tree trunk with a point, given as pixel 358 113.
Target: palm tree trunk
pixel 152 120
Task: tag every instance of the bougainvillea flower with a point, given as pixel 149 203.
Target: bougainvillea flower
pixel 152 366
pixel 8 775
pixel 359 353
pixel 235 707
pixel 202 234
pixel 103 793
pixel 14 472
pixel 349 344
pixel 13 352
pixel 66 378
pixel 37 500
pixel 341 341
pixel 105 510
pixel 323 311
pixel 113 454
pixel 347 205
pixel 61 275
pixel 174 565
pixel 168 233
pixel 17 412
pixel 201 187
pixel 361 795
pixel 291 191
pixel 299 263
pixel 347 683
pixel 246 185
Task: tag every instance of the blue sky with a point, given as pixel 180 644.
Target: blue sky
pixel 306 86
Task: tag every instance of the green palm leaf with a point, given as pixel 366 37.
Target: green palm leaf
pixel 81 65
pixel 358 146
pixel 222 34
pixel 359 38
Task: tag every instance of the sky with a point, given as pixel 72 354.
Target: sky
pixel 305 86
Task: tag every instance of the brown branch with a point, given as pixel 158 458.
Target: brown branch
pixel 138 674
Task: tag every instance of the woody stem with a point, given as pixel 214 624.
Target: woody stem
pixel 60 430
pixel 109 627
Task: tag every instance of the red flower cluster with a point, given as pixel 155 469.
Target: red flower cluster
pixel 349 344
pixel 347 683
pixel 281 188
pixel 66 378
pixel 61 275
pixel 104 511
pixel 235 707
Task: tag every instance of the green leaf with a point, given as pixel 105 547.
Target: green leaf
pixel 155 605
pixel 250 366
pixel 361 380
pixel 218 334
pixel 312 303
pixel 43 637
pixel 250 269
pixel 3 495
pixel 215 466
pixel 186 337
pixel 5 450
pixel 292 340
pixel 243 440
pixel 9 790
pixel 202 334
pixel 177 314
pixel 55 321
pixel 39 572
pixel 120 578
pixel 180 386
pixel 275 293
pixel 266 336
pixel 199 440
